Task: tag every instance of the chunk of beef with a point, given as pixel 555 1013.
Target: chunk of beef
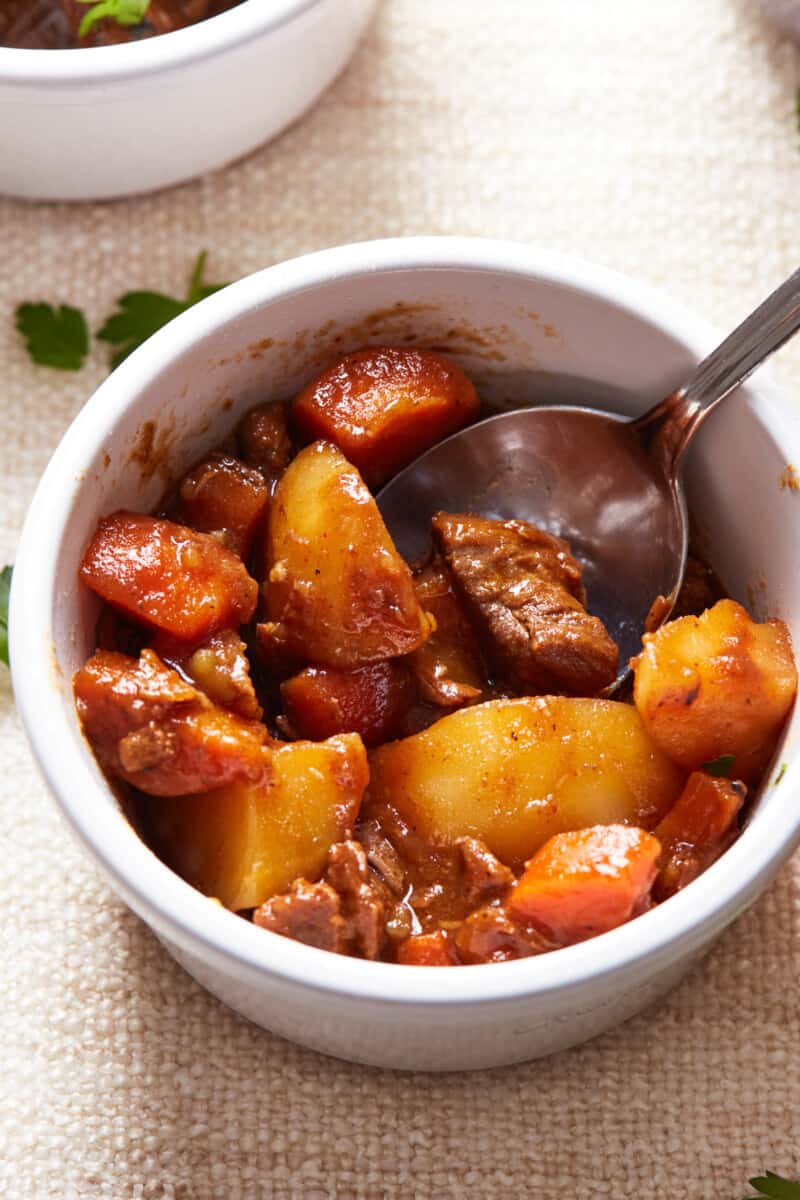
pixel 382 856
pixel 223 496
pixel 485 877
pixel 309 913
pixel 363 898
pixel 34 24
pixel 490 935
pixel 265 442
pixel 524 591
pixel 347 912
pixel 151 728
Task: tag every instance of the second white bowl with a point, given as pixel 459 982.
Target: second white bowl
pixel 118 120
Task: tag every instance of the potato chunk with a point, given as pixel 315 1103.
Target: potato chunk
pixel 716 684
pixel 246 842
pixel 515 772
pixel 384 406
pixel 700 825
pixel 338 593
pixel 586 882
pixel 151 728
pixel 168 577
pixel 371 700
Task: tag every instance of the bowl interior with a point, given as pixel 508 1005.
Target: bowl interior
pixel 524 333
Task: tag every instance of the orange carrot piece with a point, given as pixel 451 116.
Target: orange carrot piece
pixel 161 734
pixel 384 406
pixel 168 577
pixel 697 829
pixel 586 881
pixel 371 700
pixel 427 950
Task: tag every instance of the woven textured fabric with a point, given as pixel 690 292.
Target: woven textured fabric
pixel 660 139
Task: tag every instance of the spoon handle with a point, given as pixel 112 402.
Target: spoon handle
pixel 669 427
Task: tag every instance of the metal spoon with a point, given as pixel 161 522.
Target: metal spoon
pixel 610 485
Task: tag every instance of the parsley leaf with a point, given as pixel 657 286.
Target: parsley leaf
pixel 780 774
pixel 775 1187
pixel 55 337
pixel 5 588
pixel 721 766
pixel 126 12
pixel 141 314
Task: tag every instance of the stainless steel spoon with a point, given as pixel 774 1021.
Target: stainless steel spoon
pixel 610 485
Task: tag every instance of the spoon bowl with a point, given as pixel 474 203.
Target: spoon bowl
pixel 578 473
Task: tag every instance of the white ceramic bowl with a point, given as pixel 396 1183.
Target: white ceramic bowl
pixel 117 120
pixel 518 320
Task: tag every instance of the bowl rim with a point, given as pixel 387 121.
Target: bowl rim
pixel 206 39
pixel 670 931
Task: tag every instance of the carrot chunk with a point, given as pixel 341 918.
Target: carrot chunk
pixel 168 577
pixel 371 700
pixel 427 950
pixel 384 406
pixel 586 881
pixel 161 734
pixel 700 825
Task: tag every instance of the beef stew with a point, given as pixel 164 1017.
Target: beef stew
pixel 411 763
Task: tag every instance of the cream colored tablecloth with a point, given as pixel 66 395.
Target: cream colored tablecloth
pixel 659 138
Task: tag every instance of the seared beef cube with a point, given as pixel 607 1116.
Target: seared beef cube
pixel 309 913
pixel 523 589
pixel 264 440
pixel 485 877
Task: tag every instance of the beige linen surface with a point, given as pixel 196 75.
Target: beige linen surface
pixel 658 138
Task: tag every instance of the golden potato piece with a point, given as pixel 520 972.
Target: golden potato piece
pixel 245 843
pixel 515 772
pixel 338 593
pixel 716 684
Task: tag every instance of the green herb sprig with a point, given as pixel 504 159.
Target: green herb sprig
pixel 54 336
pixel 126 12
pixel 5 589
pixel 774 1187
pixel 141 314
pixel 59 336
